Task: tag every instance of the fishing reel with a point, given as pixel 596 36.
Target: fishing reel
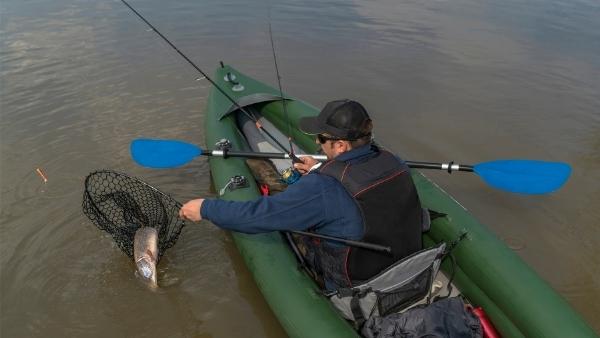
pixel 290 175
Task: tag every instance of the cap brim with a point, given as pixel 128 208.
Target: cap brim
pixel 310 125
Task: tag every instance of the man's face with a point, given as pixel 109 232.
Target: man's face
pixel 332 147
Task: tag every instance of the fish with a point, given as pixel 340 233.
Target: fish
pixel 265 173
pixel 145 255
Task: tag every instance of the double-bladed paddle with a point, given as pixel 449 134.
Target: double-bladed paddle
pixel 518 176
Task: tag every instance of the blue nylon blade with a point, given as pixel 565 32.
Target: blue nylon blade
pixel 163 153
pixel 524 176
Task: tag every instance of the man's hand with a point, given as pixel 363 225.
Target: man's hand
pixel 306 165
pixel 191 210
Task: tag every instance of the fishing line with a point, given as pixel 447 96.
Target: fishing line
pixel 294 158
pixel 250 116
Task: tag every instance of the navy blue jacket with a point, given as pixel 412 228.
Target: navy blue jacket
pixel 316 201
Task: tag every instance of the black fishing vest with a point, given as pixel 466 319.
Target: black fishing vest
pixel 384 190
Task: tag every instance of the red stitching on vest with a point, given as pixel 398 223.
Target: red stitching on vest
pixel 378 183
pixel 346 267
pixel 344 172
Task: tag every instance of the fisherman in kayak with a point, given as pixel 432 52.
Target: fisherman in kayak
pixel 361 192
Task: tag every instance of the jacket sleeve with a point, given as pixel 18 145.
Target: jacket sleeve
pixel 299 207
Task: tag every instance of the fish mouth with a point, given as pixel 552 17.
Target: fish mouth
pixel 146 270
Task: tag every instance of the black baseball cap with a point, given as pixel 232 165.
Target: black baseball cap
pixel 343 119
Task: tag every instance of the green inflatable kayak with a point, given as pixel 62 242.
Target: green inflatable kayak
pixel 488 273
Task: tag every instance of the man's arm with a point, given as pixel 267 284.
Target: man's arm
pixel 298 208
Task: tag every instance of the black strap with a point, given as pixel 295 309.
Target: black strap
pixel 359 318
pixel 449 285
pixel 448 253
pixel 451 275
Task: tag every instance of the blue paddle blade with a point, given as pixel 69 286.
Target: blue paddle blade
pixel 524 176
pixel 163 153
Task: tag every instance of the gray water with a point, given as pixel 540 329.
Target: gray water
pixel 469 81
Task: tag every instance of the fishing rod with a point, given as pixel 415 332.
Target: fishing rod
pixel 250 116
pixel 294 158
pixel 291 174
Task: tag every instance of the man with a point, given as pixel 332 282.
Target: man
pixel 360 193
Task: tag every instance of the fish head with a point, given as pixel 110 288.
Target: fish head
pixel 146 268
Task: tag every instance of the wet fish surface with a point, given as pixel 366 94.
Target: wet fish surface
pixel 145 254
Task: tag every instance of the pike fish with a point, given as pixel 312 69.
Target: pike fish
pixel 145 254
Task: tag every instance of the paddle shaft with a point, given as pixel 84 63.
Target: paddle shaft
pixel 250 154
pixel 250 116
pixel 450 167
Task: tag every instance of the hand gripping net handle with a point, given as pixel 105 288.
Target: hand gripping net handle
pixel 120 204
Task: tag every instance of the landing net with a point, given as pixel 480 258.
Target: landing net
pixel 120 204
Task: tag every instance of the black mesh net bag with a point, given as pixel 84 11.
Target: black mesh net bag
pixel 120 204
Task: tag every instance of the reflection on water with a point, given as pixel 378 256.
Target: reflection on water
pixel 445 80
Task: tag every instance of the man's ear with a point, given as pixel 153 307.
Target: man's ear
pixel 343 146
